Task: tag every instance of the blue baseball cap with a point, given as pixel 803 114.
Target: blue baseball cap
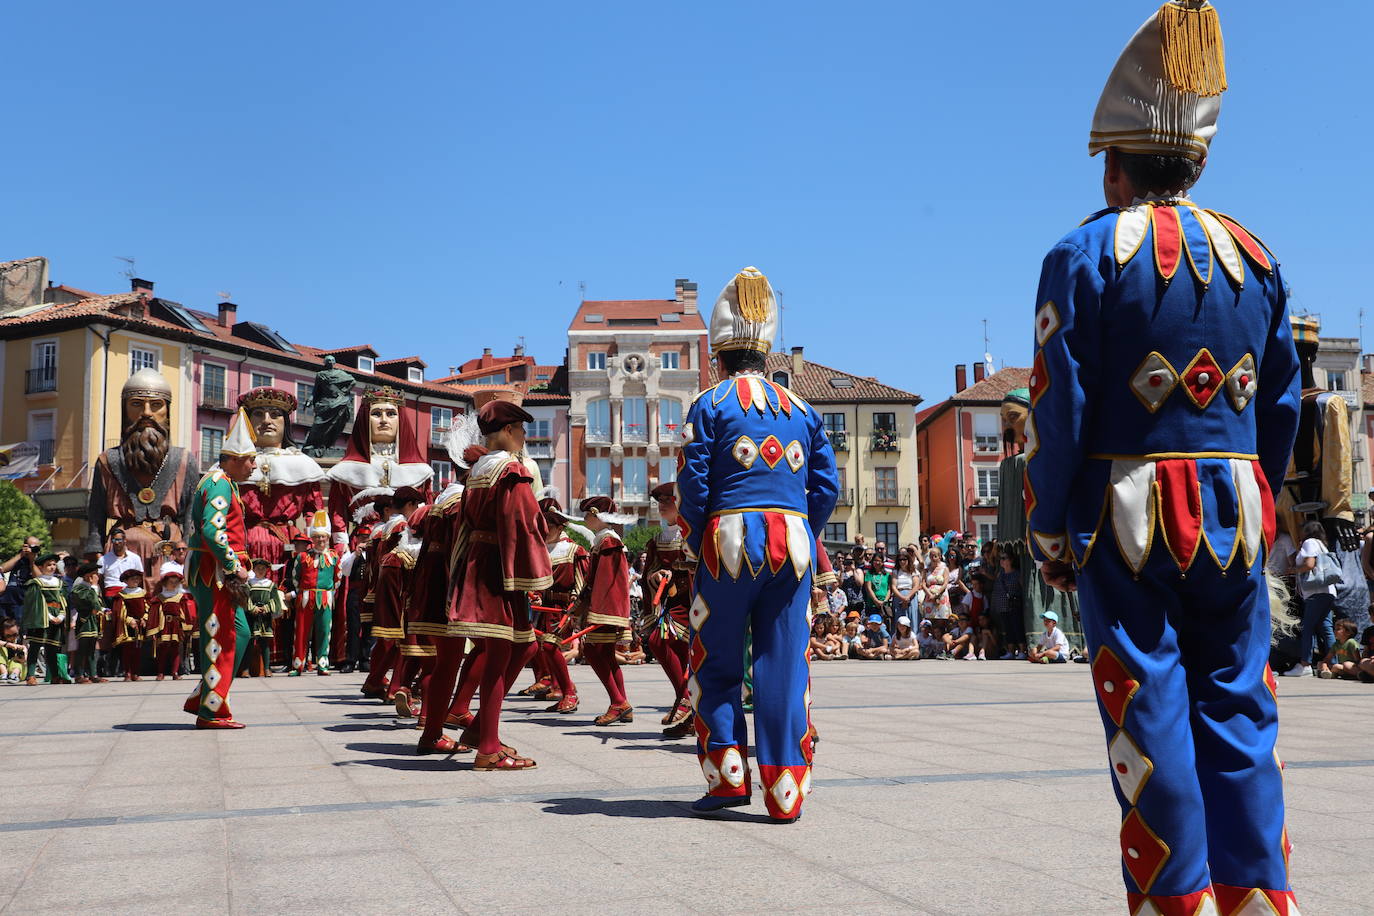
pixel 1050 615
pixel 875 618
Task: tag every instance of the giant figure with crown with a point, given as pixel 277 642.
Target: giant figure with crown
pixel 756 481
pixel 1165 400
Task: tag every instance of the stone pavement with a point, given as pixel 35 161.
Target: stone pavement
pixel 942 788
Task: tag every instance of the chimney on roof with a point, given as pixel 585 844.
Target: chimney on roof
pixel 960 378
pixel 797 363
pixel 519 350
pixel 486 351
pixel 685 292
pixel 228 314
pixel 140 285
pixel 980 369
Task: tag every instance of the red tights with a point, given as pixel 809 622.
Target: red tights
pixel 557 667
pixel 601 656
pixel 672 655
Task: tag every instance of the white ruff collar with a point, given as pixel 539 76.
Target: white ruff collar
pixel 285 467
pixel 48 581
pixel 363 476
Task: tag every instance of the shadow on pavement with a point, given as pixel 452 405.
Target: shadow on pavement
pixel 183 725
pixel 643 808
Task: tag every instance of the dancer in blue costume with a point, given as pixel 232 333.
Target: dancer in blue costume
pixel 1165 400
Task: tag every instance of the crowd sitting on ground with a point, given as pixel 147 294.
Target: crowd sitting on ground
pixel 115 619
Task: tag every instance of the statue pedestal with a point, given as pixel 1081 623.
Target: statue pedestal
pixel 329 457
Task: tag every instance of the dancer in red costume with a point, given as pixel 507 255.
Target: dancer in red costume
pixel 605 604
pixel 570 562
pixel 668 573
pixel 499 557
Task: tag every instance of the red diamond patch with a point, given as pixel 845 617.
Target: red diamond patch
pixel 1143 853
pixel 1202 379
pixel 1040 378
pixel 770 450
pixel 1115 685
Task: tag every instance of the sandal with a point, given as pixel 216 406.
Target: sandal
pixel 490 763
pixel 616 714
pixel 442 745
pixel 565 706
pixel 463 720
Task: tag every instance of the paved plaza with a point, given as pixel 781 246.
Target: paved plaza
pixel 942 788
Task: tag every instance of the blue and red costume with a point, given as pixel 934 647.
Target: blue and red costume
pixel 1165 400
pixel 756 481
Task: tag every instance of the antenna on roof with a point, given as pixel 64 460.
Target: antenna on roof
pixel 224 295
pixel 782 325
pixel 128 272
pixel 582 289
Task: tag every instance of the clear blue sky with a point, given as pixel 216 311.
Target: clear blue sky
pixel 898 169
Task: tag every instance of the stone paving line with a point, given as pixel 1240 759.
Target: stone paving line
pixel 930 782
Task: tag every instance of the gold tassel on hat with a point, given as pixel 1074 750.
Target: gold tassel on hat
pixel 751 290
pixel 1194 55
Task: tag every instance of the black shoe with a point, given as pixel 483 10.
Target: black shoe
pixel 364 667
pixel 345 668
pixel 708 805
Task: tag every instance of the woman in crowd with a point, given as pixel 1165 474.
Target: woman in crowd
pixel 935 602
pixel 906 587
pixel 1317 600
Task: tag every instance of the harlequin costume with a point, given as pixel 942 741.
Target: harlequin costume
pixel 670 636
pixel 314 579
pixel 756 482
pixel 1164 399
pixel 498 559
pixel 45 612
pixel 129 611
pixel 218 550
pixel 170 618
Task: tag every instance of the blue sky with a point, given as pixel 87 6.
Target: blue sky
pixel 435 177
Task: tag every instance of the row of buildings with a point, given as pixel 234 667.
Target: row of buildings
pixel 608 416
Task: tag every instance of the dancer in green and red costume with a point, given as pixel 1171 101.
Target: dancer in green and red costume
pixel 314 577
pixel 668 573
pixel 218 573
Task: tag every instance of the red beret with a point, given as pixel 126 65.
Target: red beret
pixel 596 504
pixel 549 504
pixel 665 493
pixel 496 415
pixel 407 495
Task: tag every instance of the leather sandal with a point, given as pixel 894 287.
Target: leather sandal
pixel 401 700
pixel 549 693
pixel 372 693
pixel 441 745
pixel 566 705
pixel 218 723
pixel 490 763
pixel 681 729
pixel 462 720
pixel 616 714
pixel 679 712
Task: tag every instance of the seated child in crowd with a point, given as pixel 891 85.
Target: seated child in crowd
pixel 959 640
pixel 1053 647
pixel 931 645
pixel 834 639
pixel 905 645
pixel 873 642
pixel 1343 660
pixel 12 652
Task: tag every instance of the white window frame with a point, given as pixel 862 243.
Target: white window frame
pixel 213 456
pixel 987 531
pixel 51 417
pixel 670 359
pixel 39 344
pixel 593 488
pixel 596 360
pixel 305 393
pixel 254 375
pixel 603 433
pixel 667 470
pixel 641 492
pixel 154 352
pixel 437 428
pixel 1336 380
pixel 879 476
pixel 641 433
pixel 668 406
pixel 228 395
pixel 539 428
pixel 415 374
pixel 982 474
pixel 366 363
pixel 443 473
pixel 989 438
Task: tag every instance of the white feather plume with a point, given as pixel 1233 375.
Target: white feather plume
pixel 363 512
pixel 549 492
pixel 586 533
pixel 372 493
pixel 463 433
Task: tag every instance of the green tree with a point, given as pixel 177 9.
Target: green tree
pixel 638 537
pixel 577 537
pixel 20 518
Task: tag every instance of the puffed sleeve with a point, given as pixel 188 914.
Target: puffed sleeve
pixel 1278 398
pixel 520 531
pixel 694 471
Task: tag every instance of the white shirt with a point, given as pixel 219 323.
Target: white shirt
pixel 1280 555
pixel 112 566
pixel 1055 639
pixel 1311 548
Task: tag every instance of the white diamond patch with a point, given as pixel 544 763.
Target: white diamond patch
pixel 1130 767
pixel 796 457
pixel 732 768
pixel 786 793
pixel 746 451
pixel 698 613
pixel 1241 382
pixel 1154 381
pixel 1046 323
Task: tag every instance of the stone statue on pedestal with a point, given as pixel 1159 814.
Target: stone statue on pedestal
pixel 332 402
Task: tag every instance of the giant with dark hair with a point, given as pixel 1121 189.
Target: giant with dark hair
pixel 737 361
pixel 1159 174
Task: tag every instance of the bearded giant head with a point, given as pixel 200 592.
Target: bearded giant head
pixel 147 402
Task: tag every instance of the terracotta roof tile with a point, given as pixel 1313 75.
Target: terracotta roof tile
pixel 814 383
pixel 634 309
pixel 1367 388
pixel 988 392
pixel 402 360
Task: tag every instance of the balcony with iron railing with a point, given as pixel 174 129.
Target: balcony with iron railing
pixel 539 447
pixel 598 434
pixel 884 498
pixel 40 380
pixel 884 440
pixel 636 432
pixel 220 397
pixel 839 439
pixel 47 448
pixel 987 445
pixel 846 497
pixel 437 434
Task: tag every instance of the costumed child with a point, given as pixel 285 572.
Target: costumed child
pixel 12 652
pixel 45 611
pixel 669 574
pixel 265 606
pixel 605 603
pixel 88 608
pixel 129 611
pixel 169 623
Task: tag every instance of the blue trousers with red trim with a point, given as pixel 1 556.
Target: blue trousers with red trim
pixel 775 607
pixel 1180 667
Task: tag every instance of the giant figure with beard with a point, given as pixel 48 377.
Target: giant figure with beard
pixel 145 483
